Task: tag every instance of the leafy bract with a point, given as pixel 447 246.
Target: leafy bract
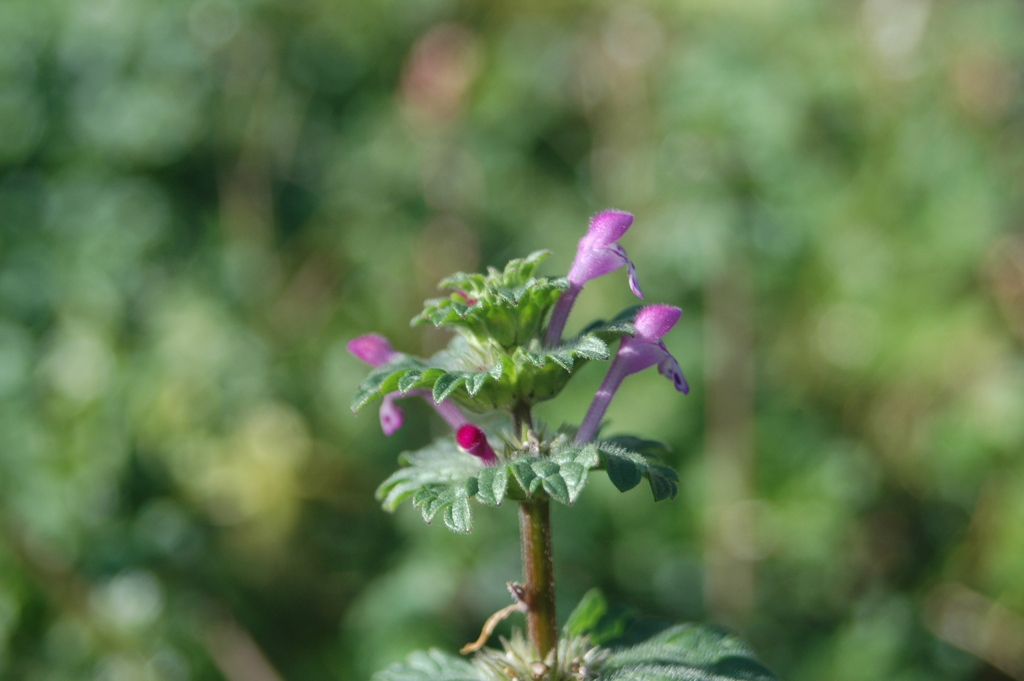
pixel 686 652
pixel 507 307
pixel 618 326
pixel 431 665
pixel 441 463
pixel 441 478
pixel 481 376
pixel 591 618
pixel 626 468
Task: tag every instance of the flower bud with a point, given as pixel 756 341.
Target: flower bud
pixel 474 441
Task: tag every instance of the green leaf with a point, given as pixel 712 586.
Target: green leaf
pixel 592 617
pixel 475 381
pixel 446 385
pixel 640 445
pixel 441 463
pixel 626 468
pixel 525 475
pixel 590 347
pixel 664 482
pixel 458 517
pixel 491 485
pixel 687 652
pixel 507 307
pixel 585 455
pixel 431 665
pixel 430 499
pixel 385 379
pixel 409 381
pixel 556 488
pixel 587 613
pixel 624 471
pixel 575 477
pixel 616 327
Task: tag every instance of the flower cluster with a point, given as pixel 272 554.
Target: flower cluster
pixel 598 253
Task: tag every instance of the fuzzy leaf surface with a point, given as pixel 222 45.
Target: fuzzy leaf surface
pixel 591 617
pixel 687 652
pixel 430 665
pixel 441 463
pixel 507 307
pixel 627 468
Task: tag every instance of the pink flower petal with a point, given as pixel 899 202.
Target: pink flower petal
pixel 654 321
pixel 373 348
pixel 391 415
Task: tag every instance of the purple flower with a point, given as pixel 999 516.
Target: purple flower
pixel 376 350
pixel 598 253
pixel 474 441
pixel 637 353
pixel 373 348
pixel 391 415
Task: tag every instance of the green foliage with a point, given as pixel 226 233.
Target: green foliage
pixel 592 619
pixel 686 652
pixel 433 665
pixel 612 329
pixel 498 359
pixel 441 478
pixel 483 378
pixel 202 201
pixel 440 463
pixel 626 468
pixel 504 307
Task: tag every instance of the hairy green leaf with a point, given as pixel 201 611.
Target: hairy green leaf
pixel 439 463
pixel 525 475
pixel 624 471
pixel 431 665
pixel 457 516
pixel 491 485
pixel 626 468
pixel 686 653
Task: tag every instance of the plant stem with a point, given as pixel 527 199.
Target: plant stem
pixel 538 574
pixel 521 416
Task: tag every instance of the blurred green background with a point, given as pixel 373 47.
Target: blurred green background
pixel 201 201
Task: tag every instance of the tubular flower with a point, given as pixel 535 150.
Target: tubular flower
pixel 637 353
pixel 373 348
pixel 474 441
pixel 376 350
pixel 598 253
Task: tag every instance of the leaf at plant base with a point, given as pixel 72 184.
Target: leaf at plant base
pixel 687 652
pixel 591 617
pixel 439 463
pixel 492 483
pixel 587 613
pixel 431 665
